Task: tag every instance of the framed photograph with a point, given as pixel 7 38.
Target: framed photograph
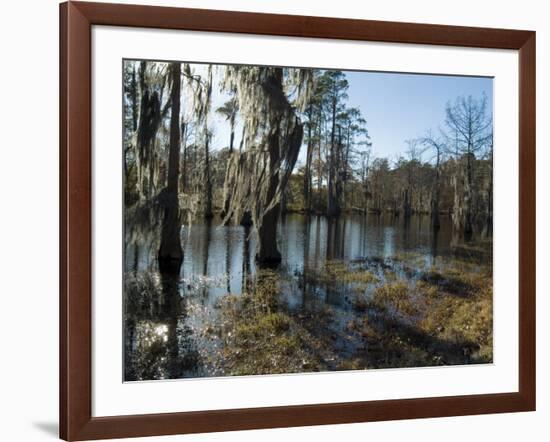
pixel 272 221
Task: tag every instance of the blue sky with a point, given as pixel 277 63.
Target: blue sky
pixel 398 107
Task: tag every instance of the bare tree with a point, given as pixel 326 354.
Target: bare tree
pixel 470 126
pixel 437 145
pixel 414 153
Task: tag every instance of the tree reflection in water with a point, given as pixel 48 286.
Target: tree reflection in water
pixel 352 292
pixel 158 344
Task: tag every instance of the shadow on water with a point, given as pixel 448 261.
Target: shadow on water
pixel 385 350
pixel 185 325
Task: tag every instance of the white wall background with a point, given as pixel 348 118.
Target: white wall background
pixel 29 218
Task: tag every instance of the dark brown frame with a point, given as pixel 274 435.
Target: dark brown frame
pixel 76 421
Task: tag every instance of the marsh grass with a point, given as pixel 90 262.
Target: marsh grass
pixel 430 315
pixel 261 337
pixel 444 317
pixel 465 320
pixel 338 272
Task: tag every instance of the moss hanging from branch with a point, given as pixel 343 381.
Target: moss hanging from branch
pixel 257 176
pixel 152 80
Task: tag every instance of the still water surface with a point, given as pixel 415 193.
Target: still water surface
pixel 170 321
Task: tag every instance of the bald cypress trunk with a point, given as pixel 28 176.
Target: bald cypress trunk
pixel 133 93
pixel 183 173
pixel 268 253
pixel 434 208
pixel 468 195
pixel 406 204
pixel 207 173
pixel 333 208
pixel 260 172
pixel 207 179
pixel 309 160
pixel 434 203
pixel 267 250
pixel 170 252
pixel 489 219
pixel 457 181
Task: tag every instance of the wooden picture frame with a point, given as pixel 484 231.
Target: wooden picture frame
pixel 76 21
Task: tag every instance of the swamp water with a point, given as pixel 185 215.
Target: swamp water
pixel 357 292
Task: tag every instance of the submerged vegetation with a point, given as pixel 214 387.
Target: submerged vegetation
pixel 261 338
pixel 338 272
